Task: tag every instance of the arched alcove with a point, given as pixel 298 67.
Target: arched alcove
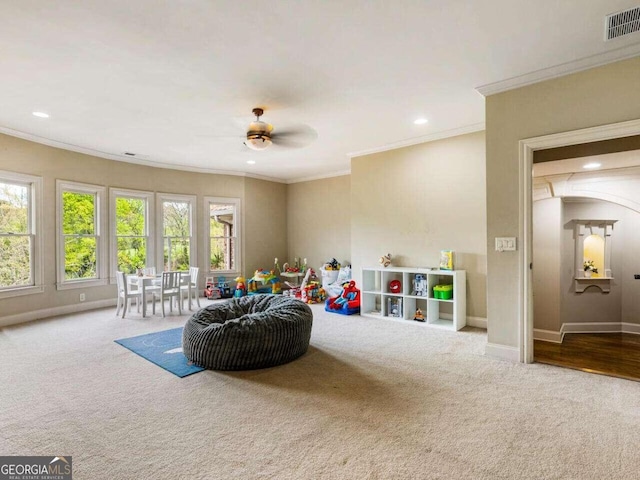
pixel 593 261
pixel 593 244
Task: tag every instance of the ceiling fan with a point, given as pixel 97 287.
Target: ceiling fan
pixel 260 135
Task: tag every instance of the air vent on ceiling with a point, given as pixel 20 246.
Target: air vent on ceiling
pixel 622 23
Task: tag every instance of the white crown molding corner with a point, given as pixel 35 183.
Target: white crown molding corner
pixel 502 352
pixel 561 70
pixel 340 173
pixel 454 132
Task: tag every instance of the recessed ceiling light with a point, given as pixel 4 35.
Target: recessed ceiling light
pixel 251 162
pixel 590 166
pixel 420 121
pixel 41 114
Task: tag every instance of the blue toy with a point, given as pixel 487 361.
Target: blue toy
pixel 347 303
pixel 225 290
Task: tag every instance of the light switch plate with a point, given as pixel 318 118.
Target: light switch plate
pixel 506 244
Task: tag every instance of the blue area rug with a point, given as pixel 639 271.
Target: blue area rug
pixel 164 349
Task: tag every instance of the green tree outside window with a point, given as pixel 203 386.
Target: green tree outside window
pixel 15 238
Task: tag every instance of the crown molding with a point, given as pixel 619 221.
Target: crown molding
pixel 340 173
pixel 561 70
pixel 454 132
pixel 137 160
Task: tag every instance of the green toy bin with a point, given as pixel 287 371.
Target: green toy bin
pixel 443 292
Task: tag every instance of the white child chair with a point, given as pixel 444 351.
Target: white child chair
pixel 190 289
pixel 169 289
pixel 126 292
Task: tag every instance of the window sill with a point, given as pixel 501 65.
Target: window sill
pixel 20 291
pixel 82 284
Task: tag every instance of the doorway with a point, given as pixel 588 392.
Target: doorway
pixel 585 259
pixel 527 149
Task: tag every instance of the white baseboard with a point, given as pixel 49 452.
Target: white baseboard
pixel 547 335
pixel 478 322
pixel 55 311
pixel 502 352
pixel 595 327
pixel 630 328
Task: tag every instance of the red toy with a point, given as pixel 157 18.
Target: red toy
pixel 347 303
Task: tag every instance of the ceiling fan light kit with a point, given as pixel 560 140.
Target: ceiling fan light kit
pixel 259 134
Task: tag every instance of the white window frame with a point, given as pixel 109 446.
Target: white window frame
pixel 101 255
pixel 238 234
pixel 115 193
pixel 35 223
pixel 173 197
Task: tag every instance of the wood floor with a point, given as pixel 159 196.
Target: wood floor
pixel 613 354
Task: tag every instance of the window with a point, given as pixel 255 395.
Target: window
pixel 222 234
pixel 131 224
pixel 177 227
pixel 20 234
pixel 81 249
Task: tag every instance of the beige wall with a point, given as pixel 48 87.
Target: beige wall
pixel 599 96
pixel 263 204
pixel 319 220
pixel 415 201
pixel 265 224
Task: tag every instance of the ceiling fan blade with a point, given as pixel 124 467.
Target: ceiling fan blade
pixel 298 136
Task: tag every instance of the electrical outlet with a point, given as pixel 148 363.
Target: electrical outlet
pixel 82 297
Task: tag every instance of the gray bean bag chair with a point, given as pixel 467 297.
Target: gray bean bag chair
pixel 245 333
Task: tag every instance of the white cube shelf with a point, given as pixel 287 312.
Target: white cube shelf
pixel 379 301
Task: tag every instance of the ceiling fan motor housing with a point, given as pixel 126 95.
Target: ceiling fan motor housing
pixel 259 135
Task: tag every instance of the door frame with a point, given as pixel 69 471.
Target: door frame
pixel 526 148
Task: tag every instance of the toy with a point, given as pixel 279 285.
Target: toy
pixel 270 282
pixel 385 260
pixel 223 286
pixel 395 286
pixel 419 285
pixel 331 265
pixel 241 287
pixel 394 307
pixel 211 291
pixel 419 316
pixel 310 289
pixel 347 303
pixel 296 268
pixel 334 280
pixel 446 259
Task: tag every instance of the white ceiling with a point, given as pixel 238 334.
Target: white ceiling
pixel 175 81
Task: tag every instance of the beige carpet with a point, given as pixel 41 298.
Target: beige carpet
pixel 372 399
